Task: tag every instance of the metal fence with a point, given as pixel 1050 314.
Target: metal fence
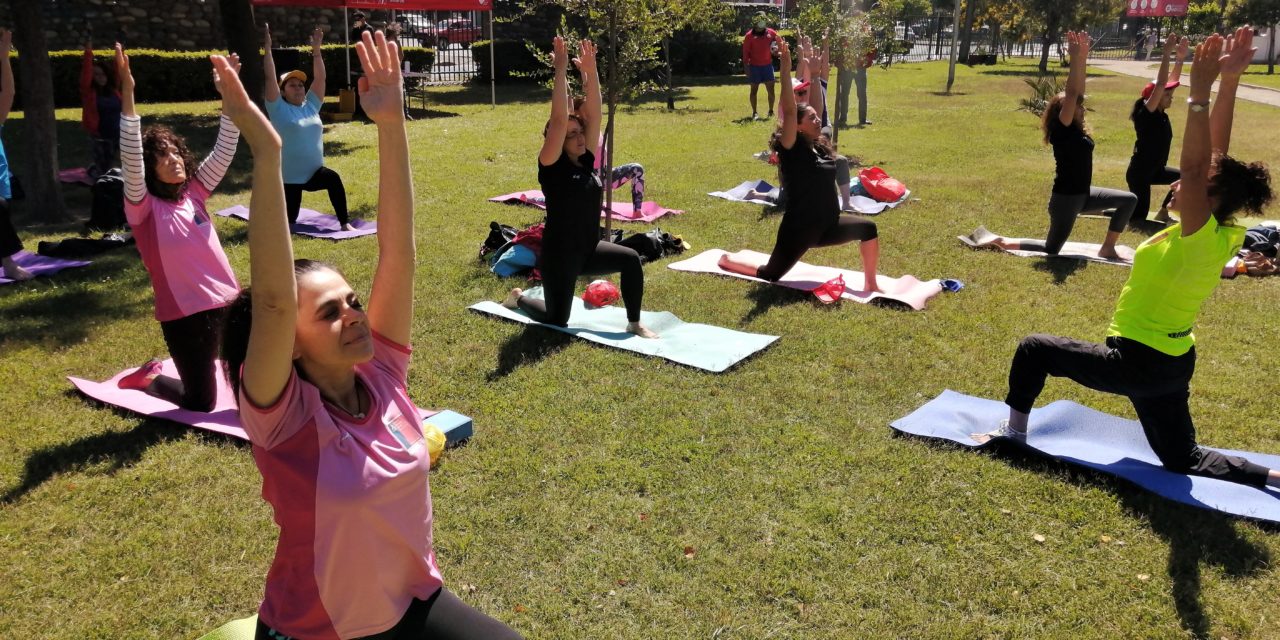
pixel 451 33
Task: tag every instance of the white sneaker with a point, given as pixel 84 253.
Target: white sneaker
pixel 1002 431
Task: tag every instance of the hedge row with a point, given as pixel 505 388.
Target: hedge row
pixel 183 76
pixel 693 53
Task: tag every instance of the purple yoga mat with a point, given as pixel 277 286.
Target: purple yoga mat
pixel 805 277
pixel 622 211
pixel 40 265
pixel 78 175
pixel 314 224
pixel 224 418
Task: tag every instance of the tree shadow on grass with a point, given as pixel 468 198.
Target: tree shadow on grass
pixel 530 345
pixel 1060 268
pixel 1194 535
pixel 117 449
pixel 69 314
pixel 1032 72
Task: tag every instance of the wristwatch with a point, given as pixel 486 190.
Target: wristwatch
pixel 1198 107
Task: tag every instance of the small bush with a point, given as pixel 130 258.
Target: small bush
pixel 1043 89
pixel 700 53
pixel 512 60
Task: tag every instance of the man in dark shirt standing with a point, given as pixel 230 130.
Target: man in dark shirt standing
pixel 758 48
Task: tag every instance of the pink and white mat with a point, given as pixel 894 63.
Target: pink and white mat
pixel 622 211
pixel 78 175
pixel 983 239
pixel 224 419
pixel 40 265
pixel 906 290
pixel 314 224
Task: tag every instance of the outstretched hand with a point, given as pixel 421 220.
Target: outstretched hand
pixel 382 85
pixel 1238 51
pixel 266 39
pixel 317 39
pixel 1206 65
pixel 123 72
pixel 586 60
pixel 237 105
pixel 559 54
pixel 784 55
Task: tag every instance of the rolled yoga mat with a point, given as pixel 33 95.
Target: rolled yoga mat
pixel 905 290
pixel 622 211
pixel 983 239
pixel 225 417
pixel 1089 438
pixel 314 224
pixel 703 346
pixel 40 265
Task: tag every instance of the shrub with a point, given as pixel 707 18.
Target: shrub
pixel 1043 89
pixel 699 53
pixel 511 58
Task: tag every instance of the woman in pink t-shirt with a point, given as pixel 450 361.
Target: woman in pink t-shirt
pixel 321 385
pixel 164 201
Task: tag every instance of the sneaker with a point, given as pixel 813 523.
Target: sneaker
pixel 755 116
pixel 141 379
pixel 1002 431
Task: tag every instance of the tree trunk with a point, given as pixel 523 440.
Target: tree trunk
pixel 671 96
pixel 1271 51
pixel 39 125
pixel 966 37
pixel 1050 32
pixel 244 38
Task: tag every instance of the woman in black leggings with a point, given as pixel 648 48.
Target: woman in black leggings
pixel 571 244
pixel 1148 165
pixel 1073 193
pixel 812 217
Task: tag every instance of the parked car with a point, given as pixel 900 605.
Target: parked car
pixel 446 32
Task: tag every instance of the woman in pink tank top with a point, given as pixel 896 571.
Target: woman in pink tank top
pixel 321 384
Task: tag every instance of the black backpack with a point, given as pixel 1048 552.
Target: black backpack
pixel 654 244
pixel 107 212
pixel 499 236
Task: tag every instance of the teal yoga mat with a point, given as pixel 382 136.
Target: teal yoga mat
pixel 702 346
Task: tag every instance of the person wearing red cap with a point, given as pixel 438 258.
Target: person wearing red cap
pixel 1147 166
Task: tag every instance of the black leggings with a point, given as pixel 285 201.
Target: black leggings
pixel 443 616
pixel 10 243
pixel 323 178
pixel 193 343
pixel 794 240
pixel 1063 209
pixel 1140 182
pixel 1156 383
pixel 561 268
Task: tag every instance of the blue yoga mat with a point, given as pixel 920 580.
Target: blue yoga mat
pixel 1077 434
pixel 697 345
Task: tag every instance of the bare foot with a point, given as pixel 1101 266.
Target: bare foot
pixel 1109 253
pixel 640 330
pixel 346 227
pixel 513 299
pixel 873 287
pixel 724 261
pixel 14 272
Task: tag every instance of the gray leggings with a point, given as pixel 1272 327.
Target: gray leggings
pixel 1064 208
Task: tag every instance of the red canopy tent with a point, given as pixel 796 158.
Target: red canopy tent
pixel 1157 8
pixel 395 5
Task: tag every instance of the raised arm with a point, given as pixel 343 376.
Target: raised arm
pixel 87 99
pixel 1197 152
pixel 591 110
pixel 268 360
pixel 553 141
pixel 318 75
pixel 214 166
pixel 7 89
pixel 1078 50
pixel 1157 94
pixel 131 165
pixel 382 95
pixel 1239 52
pixel 1176 76
pixel 787 100
pixel 271 92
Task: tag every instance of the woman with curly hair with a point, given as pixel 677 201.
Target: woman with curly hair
pixel 1150 353
pixel 164 200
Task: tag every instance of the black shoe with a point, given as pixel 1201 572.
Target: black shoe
pixel 864 123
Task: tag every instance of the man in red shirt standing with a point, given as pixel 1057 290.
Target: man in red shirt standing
pixel 758 48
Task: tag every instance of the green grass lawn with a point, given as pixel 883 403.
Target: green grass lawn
pixel 1257 74
pixel 592 469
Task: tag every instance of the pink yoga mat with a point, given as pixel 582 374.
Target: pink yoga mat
pixel 224 418
pixel 79 175
pixel 314 224
pixel 622 211
pixel 907 289
pixel 40 265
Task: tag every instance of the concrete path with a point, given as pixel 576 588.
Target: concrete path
pixel 1143 69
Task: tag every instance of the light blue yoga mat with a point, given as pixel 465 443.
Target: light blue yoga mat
pixel 697 345
pixel 1079 435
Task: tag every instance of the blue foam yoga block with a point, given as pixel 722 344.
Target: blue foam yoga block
pixel 456 427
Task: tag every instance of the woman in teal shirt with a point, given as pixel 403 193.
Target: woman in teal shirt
pixel 1149 354
pixel 295 115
